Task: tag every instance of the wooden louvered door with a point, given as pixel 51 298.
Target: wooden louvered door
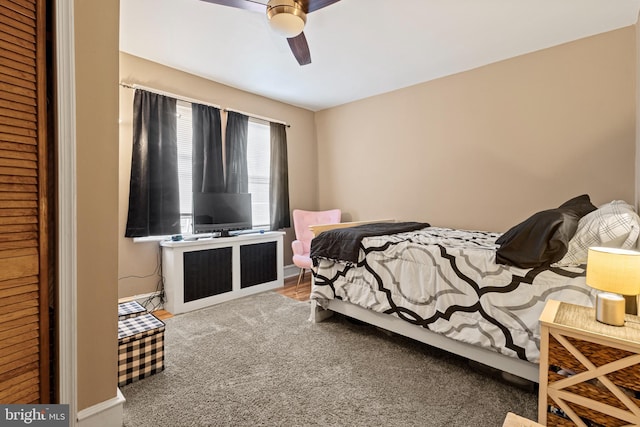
pixel 24 255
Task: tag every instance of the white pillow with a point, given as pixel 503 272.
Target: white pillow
pixel 613 224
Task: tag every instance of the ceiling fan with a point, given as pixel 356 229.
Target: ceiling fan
pixel 287 17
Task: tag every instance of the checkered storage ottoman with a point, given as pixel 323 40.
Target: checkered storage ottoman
pixel 140 348
pixel 130 309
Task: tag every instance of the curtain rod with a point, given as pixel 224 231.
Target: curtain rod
pixel 196 101
pixel 266 119
pixel 169 94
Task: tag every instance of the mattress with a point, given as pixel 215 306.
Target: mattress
pixel 447 280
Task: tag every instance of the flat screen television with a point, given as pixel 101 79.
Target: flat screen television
pixel 221 212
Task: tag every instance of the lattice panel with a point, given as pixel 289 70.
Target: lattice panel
pixel 592 383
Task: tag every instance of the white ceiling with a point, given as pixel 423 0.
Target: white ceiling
pixel 359 48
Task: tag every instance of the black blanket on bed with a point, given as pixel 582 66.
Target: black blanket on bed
pixel 343 244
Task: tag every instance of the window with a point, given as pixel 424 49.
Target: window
pixel 258 165
pixel 184 125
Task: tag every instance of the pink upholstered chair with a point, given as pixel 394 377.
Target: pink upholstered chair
pixel 302 245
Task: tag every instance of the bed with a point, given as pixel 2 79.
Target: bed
pixel 477 294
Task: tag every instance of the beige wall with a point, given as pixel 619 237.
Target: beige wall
pixel 140 259
pixel 481 149
pixel 486 148
pixel 96 73
pixel 637 204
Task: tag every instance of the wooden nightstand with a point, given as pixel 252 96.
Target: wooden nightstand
pixel 514 420
pixel 588 370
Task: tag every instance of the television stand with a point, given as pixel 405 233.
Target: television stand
pixel 200 273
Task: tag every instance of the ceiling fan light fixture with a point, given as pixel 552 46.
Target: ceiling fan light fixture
pixel 286 17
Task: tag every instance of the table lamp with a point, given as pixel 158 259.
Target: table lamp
pixel 614 272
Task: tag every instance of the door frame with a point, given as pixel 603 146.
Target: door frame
pixel 67 231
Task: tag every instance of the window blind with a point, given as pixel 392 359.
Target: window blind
pixel 258 164
pixel 185 132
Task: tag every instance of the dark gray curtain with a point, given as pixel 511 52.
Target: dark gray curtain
pixel 236 153
pixel 154 201
pixel 208 174
pixel 279 179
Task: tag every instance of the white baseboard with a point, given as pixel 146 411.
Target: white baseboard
pixel 290 271
pixel 104 414
pixel 150 300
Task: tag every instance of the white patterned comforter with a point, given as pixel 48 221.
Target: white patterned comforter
pixel 447 281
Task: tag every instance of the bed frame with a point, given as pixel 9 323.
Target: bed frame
pixel 519 368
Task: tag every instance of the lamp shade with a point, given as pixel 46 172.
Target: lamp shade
pixel 286 17
pixel 614 270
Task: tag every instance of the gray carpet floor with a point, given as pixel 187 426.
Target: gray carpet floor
pixel 258 361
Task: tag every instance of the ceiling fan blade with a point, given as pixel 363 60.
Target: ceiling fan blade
pixel 300 49
pixel 253 5
pixel 311 5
